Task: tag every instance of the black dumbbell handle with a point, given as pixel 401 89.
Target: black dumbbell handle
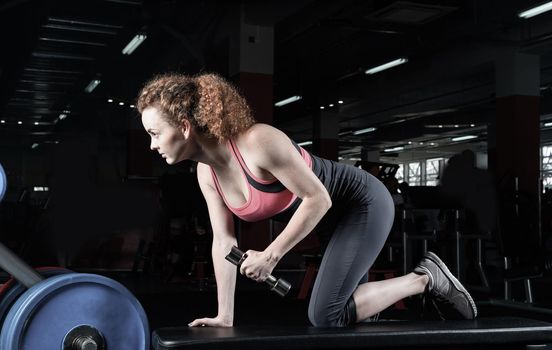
pixel 277 285
pixel 19 269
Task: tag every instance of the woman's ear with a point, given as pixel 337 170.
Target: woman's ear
pixel 186 128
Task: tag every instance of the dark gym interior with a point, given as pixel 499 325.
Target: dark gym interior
pixel 459 130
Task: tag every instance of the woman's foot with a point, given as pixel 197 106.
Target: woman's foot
pixel 451 297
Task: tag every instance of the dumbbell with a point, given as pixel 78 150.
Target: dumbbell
pixel 68 311
pixel 278 286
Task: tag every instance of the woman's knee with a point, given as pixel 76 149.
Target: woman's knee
pixel 324 317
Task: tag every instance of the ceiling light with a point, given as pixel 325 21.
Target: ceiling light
pixel 409 142
pixel 340 102
pixel 134 43
pixel 132 106
pixel 2 121
pixel 364 131
pixel 536 10
pixel 35 123
pixel 321 107
pixel 464 138
pixel 545 124
pixel 121 103
pixel 472 125
pixel 92 85
pixel 331 105
pixel 19 122
pixel 386 66
pixel 305 143
pixel 110 100
pixel 394 149
pixel 288 101
pixel 425 113
pixel 35 145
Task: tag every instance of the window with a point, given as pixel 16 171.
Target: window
pixel 400 173
pixel 433 171
pixel 546 152
pixel 414 176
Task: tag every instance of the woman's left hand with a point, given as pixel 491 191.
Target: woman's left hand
pixel 258 265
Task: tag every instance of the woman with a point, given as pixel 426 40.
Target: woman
pixel 256 172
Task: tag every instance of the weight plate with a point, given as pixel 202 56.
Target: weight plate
pixel 49 310
pixel 3 183
pixel 12 289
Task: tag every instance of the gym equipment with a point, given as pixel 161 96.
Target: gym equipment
pixel 68 311
pixel 487 333
pixel 3 183
pixel 12 289
pixel 278 286
pixel 82 311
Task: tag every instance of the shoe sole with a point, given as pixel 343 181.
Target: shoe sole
pixel 441 265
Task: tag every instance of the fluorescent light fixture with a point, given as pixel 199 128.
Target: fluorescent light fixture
pixel 92 85
pixel 536 10
pixel 40 189
pixel 387 65
pixel 134 43
pixel 306 143
pixel 288 101
pixel 546 125
pixel 64 114
pixel 35 123
pixel 394 149
pixel 464 138
pixel 364 131
pixel 340 102
pixel 425 113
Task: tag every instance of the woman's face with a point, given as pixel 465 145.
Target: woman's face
pixel 170 142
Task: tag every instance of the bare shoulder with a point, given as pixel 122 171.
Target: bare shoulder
pixel 267 146
pixel 204 175
pixel 263 135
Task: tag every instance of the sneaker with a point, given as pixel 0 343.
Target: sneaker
pixel 451 298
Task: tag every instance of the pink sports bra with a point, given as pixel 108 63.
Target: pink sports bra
pixel 266 198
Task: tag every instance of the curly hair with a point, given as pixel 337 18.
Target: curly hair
pixel 208 101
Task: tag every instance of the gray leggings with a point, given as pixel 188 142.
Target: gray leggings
pixel 359 233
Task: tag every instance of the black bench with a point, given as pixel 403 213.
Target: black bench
pixel 484 333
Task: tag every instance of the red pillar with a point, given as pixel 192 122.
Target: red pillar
pixel 516 158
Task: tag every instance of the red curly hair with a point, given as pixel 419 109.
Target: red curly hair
pixel 208 101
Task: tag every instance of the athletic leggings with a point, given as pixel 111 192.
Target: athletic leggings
pixel 355 228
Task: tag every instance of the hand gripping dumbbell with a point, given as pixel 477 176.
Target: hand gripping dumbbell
pixel 277 285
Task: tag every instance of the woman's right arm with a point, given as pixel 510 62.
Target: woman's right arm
pixel 224 238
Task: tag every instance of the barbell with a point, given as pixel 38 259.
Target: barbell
pixel 59 309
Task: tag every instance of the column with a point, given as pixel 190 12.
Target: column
pixel 251 68
pixel 325 134
pixel 515 155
